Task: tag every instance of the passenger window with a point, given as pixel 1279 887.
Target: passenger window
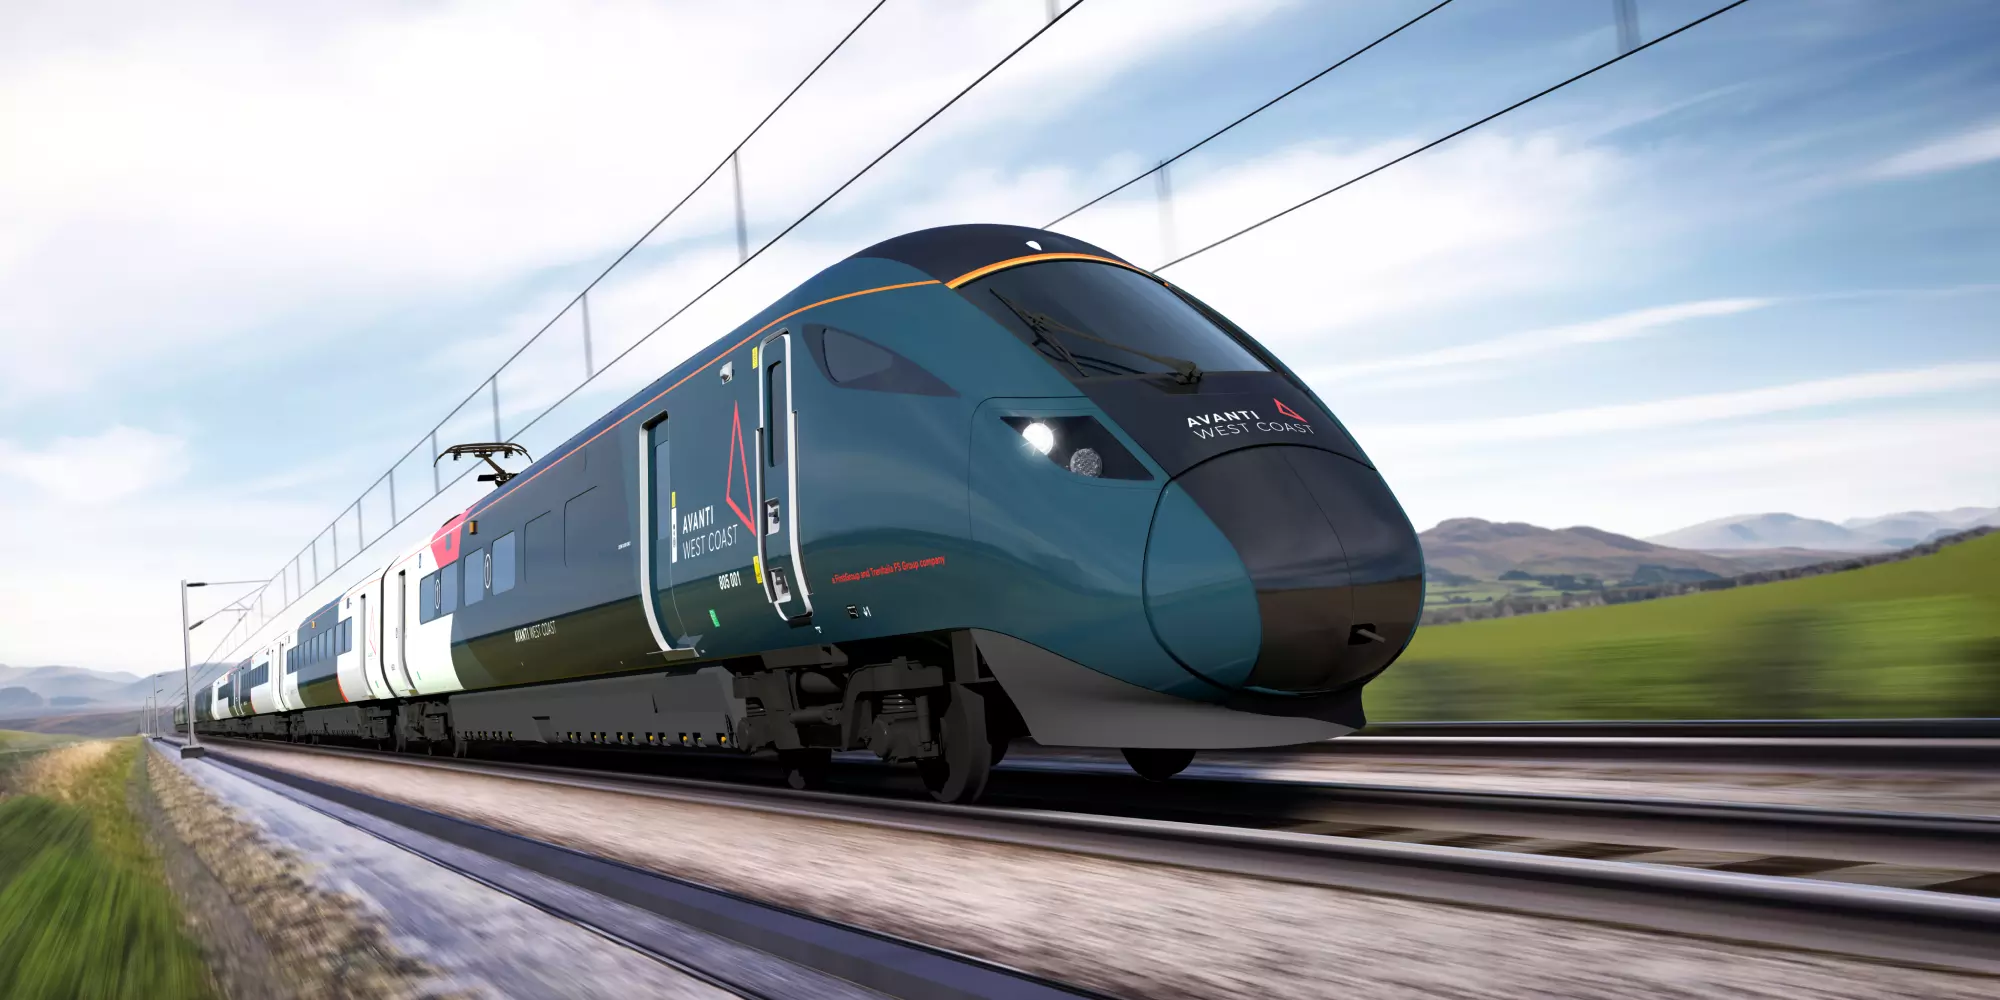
pixel 448 589
pixel 503 564
pixel 541 546
pixel 427 598
pixel 591 526
pixel 347 635
pixel 855 362
pixel 475 576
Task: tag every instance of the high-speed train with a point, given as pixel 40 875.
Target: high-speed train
pixel 970 484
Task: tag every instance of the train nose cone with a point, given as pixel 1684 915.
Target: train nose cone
pixel 1320 557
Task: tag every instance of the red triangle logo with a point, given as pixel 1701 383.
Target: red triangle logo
pixel 1287 411
pixel 738 459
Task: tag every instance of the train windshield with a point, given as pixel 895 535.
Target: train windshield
pixel 1096 320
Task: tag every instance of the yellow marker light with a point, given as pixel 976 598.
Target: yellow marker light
pixel 753 357
pixel 757 566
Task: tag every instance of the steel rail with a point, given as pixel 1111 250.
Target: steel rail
pixel 1836 729
pixel 1906 926
pixel 815 958
pixel 1767 750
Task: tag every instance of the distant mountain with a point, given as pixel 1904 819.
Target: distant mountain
pixel 1863 534
pixel 1916 527
pixel 29 691
pixel 1467 549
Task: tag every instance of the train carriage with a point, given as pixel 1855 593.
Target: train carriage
pixel 970 484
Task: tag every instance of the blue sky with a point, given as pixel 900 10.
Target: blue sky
pixel 249 255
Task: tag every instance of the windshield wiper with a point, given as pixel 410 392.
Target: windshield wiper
pixel 1036 323
pixel 1185 372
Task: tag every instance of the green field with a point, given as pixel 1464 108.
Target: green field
pixel 11 739
pixel 1908 639
pixel 83 909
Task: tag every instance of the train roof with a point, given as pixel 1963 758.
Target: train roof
pixel 944 253
pixel 949 252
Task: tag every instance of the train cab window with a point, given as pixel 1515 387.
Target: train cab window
pixel 476 569
pixel 852 361
pixel 1094 320
pixel 503 563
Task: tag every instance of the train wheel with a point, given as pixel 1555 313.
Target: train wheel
pixel 960 773
pixel 806 769
pixel 1156 764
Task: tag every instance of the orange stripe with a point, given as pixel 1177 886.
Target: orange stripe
pixel 725 353
pixel 981 272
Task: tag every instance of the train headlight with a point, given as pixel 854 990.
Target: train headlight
pixel 1040 437
pixel 1079 445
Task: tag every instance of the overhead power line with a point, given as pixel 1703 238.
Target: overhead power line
pixel 1254 112
pixel 1455 133
pixel 595 370
pixel 728 159
pixel 822 203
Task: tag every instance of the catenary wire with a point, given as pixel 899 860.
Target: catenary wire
pixel 696 189
pixel 822 203
pixel 636 244
pixel 753 255
pixel 1254 112
pixel 1455 133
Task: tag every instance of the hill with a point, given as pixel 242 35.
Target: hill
pixel 1470 560
pixel 57 690
pixel 1919 637
pixel 1861 534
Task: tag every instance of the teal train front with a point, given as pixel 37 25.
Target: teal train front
pixel 970 484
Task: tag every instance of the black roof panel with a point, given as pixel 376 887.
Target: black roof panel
pixel 946 252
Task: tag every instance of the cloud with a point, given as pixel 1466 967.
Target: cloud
pixel 1980 144
pixel 1624 326
pixel 1685 410
pixel 238 171
pixel 100 469
pixel 1497 214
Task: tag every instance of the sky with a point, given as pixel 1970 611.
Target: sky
pixel 250 254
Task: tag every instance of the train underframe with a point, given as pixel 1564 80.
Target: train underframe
pixel 930 700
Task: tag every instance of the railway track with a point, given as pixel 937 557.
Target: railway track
pixel 1843 729
pixel 740 946
pixel 1333 835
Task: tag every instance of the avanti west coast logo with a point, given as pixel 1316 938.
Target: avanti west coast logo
pixel 1225 423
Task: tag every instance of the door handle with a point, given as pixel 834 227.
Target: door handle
pixel 772 520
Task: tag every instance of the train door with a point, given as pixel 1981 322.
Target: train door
pixel 658 534
pixel 287 679
pixel 395 630
pixel 780 566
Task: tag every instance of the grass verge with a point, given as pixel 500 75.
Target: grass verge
pixel 83 910
pixel 1914 638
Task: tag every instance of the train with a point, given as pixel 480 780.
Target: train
pixel 969 485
